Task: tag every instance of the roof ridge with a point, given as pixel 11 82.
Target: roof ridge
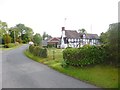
pixel 70 30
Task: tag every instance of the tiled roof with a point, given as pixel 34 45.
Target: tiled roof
pixel 54 39
pixel 72 34
pixel 92 36
pixel 75 35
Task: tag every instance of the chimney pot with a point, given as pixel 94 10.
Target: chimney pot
pixel 63 28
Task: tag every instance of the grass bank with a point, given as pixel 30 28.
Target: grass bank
pixel 104 76
pixel 12 46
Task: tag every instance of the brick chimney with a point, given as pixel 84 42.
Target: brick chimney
pixel 63 28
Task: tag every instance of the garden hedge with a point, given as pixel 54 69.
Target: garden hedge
pixel 85 55
pixel 38 51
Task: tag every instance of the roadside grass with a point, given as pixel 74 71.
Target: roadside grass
pixel 104 76
pixel 12 46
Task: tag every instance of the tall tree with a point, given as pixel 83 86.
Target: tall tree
pixel 14 33
pixel 20 31
pixel 82 30
pixel 104 37
pixel 26 32
pixel 7 39
pixel 3 28
pixel 37 39
pixel 113 41
pixel 45 35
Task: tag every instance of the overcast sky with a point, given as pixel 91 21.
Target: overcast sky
pixel 49 15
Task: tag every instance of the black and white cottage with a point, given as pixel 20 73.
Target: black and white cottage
pixel 71 38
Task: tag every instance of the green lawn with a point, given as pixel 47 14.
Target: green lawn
pixel 104 76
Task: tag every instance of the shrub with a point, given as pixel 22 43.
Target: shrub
pixel 10 45
pixel 43 52
pixel 85 55
pixel 64 64
pixel 6 46
pixel 38 51
pixel 31 47
pixel 7 39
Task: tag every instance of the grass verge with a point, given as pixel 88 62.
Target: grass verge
pixel 104 76
pixel 12 46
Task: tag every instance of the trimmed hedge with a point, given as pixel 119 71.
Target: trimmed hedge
pixel 85 55
pixel 38 51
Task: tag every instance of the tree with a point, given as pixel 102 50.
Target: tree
pixel 3 28
pixel 82 31
pixel 21 32
pixel 37 39
pixel 45 35
pixel 104 37
pixel 113 41
pixel 7 40
pixel 14 33
pixel 25 32
pixel 111 38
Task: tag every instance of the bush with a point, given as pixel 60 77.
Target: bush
pixel 10 45
pixel 85 55
pixel 43 52
pixel 31 47
pixel 37 51
pixel 7 39
pixel 6 46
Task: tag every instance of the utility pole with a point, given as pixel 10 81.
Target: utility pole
pixel 65 22
pixel 91 28
pixel 14 36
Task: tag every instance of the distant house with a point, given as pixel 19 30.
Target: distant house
pixel 71 38
pixel 54 42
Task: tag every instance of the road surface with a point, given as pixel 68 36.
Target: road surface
pixel 18 71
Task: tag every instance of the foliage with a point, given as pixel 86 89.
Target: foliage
pixel 22 32
pixel 111 39
pixel 50 45
pixel 10 45
pixel 38 51
pixel 85 55
pixel 7 39
pixel 104 38
pixel 64 64
pixel 45 35
pixel 82 30
pixel 37 39
pixel 43 52
pixel 113 42
pixel 3 28
pixel 31 47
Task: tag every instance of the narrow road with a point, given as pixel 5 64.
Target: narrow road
pixel 0 69
pixel 18 71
